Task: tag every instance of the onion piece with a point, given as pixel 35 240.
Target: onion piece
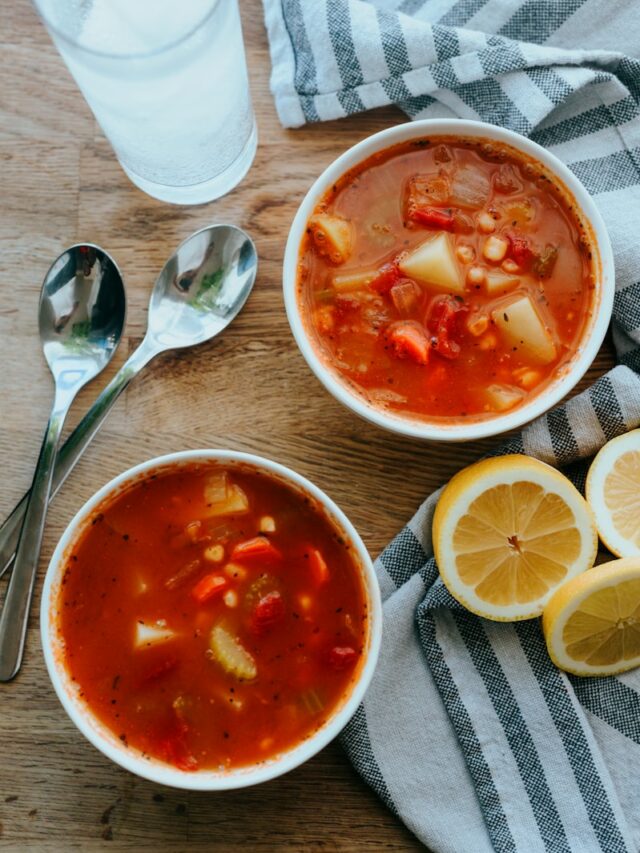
pixel 469 188
pixel 405 295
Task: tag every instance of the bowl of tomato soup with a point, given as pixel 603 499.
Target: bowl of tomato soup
pixel 210 620
pixel 448 279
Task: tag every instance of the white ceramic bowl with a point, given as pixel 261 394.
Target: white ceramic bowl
pixel 540 402
pixel 102 737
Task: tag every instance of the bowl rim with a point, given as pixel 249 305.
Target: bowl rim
pixel 541 402
pixel 154 770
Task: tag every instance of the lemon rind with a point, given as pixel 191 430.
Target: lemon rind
pixel 566 601
pixel 472 481
pixel 598 471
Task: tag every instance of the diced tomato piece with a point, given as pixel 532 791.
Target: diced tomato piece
pixel 445 322
pixel 342 657
pixel 174 748
pixel 447 348
pixel 259 548
pixel 268 612
pixel 442 311
pixel 208 586
pixel 160 668
pixel 433 217
pixel 462 223
pixel 409 340
pixel 387 276
pixel 318 566
pixel 520 250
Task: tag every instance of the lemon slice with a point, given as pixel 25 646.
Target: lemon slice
pixel 507 532
pixel 613 490
pixel 592 623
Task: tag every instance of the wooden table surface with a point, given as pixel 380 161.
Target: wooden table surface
pixel 249 390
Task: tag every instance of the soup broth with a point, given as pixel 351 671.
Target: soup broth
pixel 212 617
pixel 447 279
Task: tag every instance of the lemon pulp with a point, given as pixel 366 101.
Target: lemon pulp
pixel 605 628
pixel 515 542
pixel 622 496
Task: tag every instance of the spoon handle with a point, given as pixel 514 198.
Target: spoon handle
pixel 75 445
pixel 15 610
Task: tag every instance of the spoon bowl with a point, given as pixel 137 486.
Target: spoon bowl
pixel 82 313
pixel 199 291
pixel 202 287
pixel 81 317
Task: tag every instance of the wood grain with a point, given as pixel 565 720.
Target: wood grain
pixel 249 390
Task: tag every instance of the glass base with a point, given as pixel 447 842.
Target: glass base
pixel 207 190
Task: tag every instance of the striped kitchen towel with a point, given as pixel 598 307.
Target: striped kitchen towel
pixel 468 732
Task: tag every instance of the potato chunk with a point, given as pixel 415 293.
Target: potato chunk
pixel 498 282
pixel 434 263
pixel 151 634
pixel 216 487
pixel 501 398
pixel 235 503
pixel 522 327
pixel 332 236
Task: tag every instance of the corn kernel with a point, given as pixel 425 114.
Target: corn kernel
pixel 267 524
pixel 214 553
pixel 486 222
pixel 488 341
pixel 230 598
pixel 475 276
pixel 510 266
pixel 465 254
pixel 527 378
pixel 478 324
pixel 235 570
pixel 495 248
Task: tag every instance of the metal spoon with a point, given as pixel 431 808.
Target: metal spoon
pixel 81 317
pixel 200 290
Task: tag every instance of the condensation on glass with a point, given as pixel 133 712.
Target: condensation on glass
pixel 167 82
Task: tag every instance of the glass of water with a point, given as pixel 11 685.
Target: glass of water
pixel 167 82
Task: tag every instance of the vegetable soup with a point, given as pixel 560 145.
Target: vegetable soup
pixel 447 278
pixel 212 617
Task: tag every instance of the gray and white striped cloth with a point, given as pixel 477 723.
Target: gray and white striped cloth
pixel 468 732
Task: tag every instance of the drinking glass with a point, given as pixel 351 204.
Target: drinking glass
pixel 167 82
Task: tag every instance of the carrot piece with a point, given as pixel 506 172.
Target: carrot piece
pixel 318 566
pixel 409 340
pixel 342 657
pixel 434 217
pixel 388 275
pixel 259 548
pixel 208 586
